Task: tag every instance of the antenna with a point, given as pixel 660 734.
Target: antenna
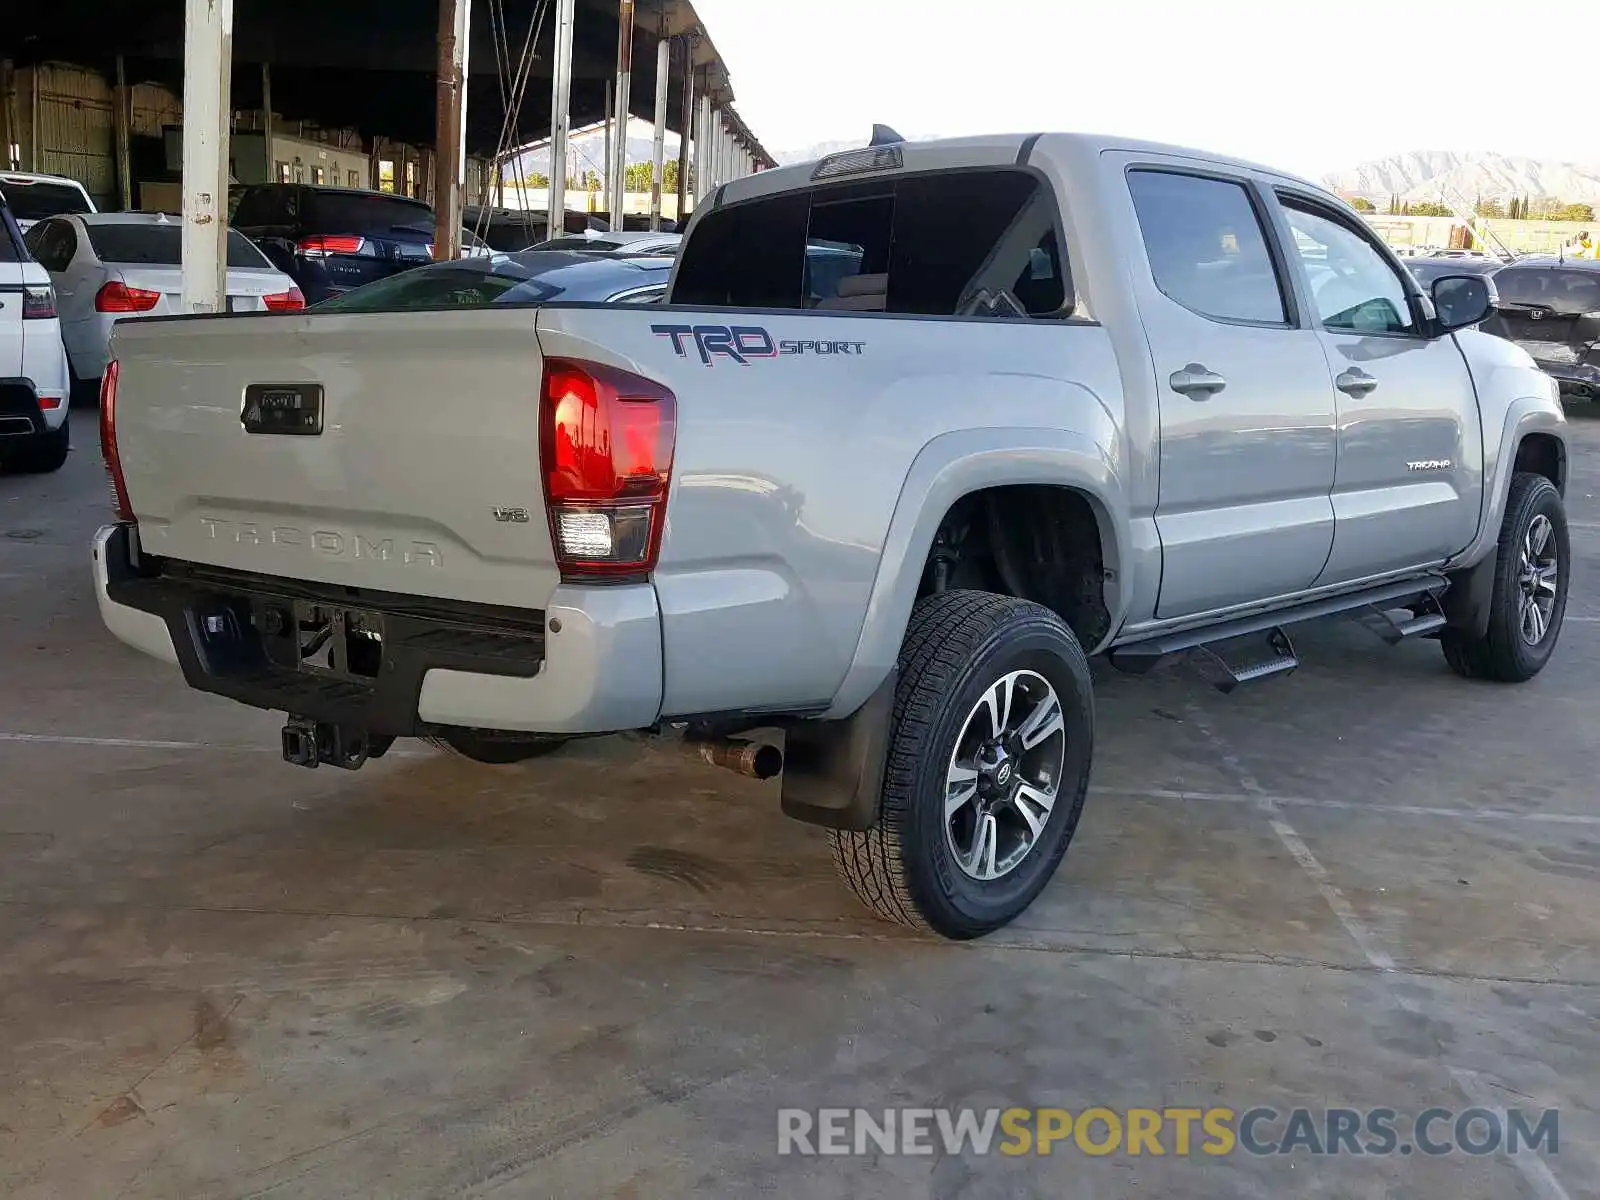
pixel 882 135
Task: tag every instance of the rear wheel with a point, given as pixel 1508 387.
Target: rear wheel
pixel 39 453
pixel 989 756
pixel 1533 562
pixel 493 746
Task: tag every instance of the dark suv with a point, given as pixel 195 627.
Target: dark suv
pixel 1551 308
pixel 329 240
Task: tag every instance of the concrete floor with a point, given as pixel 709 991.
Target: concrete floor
pixel 1371 884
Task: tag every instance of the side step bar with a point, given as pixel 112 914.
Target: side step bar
pixel 1142 656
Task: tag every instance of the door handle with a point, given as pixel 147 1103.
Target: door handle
pixel 1355 382
pixel 1196 382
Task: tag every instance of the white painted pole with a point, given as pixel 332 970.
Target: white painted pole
pixel 658 162
pixel 560 118
pixel 702 148
pixel 619 149
pixel 207 76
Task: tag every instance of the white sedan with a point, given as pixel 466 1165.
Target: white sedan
pixel 107 266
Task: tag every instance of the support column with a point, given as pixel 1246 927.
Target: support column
pixel 266 120
pixel 658 162
pixel 605 161
pixel 33 129
pixel 560 112
pixel 207 83
pixel 686 121
pixel 619 150
pixel 702 151
pixel 121 115
pixel 450 128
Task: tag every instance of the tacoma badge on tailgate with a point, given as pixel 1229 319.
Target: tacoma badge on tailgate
pixel 288 408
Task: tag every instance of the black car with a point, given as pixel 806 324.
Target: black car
pixel 1426 269
pixel 526 277
pixel 329 240
pixel 1551 308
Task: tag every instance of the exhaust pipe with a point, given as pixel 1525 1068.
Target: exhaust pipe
pixel 756 760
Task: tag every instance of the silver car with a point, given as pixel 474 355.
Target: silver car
pixel 107 266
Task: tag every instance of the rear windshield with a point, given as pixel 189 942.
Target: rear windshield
pixel 369 214
pixel 161 245
pixel 36 201
pixel 968 243
pixel 1565 291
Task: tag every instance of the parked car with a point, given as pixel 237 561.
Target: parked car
pixel 891 523
pixel 614 242
pixel 35 197
pixel 1426 269
pixel 527 277
pixel 109 266
pixel 34 389
pixel 329 240
pixel 1550 306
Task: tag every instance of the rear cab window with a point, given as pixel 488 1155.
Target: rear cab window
pixel 976 243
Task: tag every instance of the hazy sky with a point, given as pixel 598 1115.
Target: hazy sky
pixel 1307 85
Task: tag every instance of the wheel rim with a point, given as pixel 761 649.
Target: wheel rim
pixel 1539 572
pixel 1004 775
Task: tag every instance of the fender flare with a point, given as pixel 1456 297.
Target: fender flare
pixel 947 468
pixel 1467 603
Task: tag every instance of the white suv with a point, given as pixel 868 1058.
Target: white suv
pixel 34 381
pixel 35 197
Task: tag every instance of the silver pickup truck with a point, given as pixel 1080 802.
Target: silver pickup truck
pixel 918 429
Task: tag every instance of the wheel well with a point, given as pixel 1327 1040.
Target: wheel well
pixel 1034 541
pixel 1541 454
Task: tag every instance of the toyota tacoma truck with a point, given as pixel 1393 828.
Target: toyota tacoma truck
pixel 1068 397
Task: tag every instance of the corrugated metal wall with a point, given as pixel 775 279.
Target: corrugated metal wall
pixel 76 133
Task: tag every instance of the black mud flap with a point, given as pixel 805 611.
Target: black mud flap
pixel 833 770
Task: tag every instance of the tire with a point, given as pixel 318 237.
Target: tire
pixel 907 868
pixel 40 453
pixel 1503 654
pixel 493 747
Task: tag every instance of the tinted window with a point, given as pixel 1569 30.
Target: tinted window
pixel 1206 246
pixel 262 206
pixel 36 201
pixel 52 244
pixel 368 213
pixel 1353 287
pixel 578 243
pixel 161 245
pixel 971 243
pixel 1566 291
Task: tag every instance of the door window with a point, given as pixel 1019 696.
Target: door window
pixel 1353 287
pixel 1206 246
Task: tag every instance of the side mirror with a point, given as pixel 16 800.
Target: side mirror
pixel 1462 300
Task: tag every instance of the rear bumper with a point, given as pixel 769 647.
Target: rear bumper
pixel 27 408
pixel 590 662
pixel 1579 378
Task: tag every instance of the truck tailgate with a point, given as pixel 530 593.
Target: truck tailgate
pixel 424 478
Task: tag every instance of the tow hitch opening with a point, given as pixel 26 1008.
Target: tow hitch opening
pixel 310 743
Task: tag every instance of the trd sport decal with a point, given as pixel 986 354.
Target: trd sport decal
pixel 741 343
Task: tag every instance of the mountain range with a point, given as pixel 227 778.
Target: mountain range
pixel 1420 175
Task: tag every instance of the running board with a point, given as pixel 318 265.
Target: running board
pixel 1142 656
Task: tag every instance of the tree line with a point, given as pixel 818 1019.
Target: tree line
pixel 637 178
pixel 1519 208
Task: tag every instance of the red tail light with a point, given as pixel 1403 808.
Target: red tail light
pixel 606 441
pixel 322 246
pixel 118 297
pixel 108 441
pixel 285 301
